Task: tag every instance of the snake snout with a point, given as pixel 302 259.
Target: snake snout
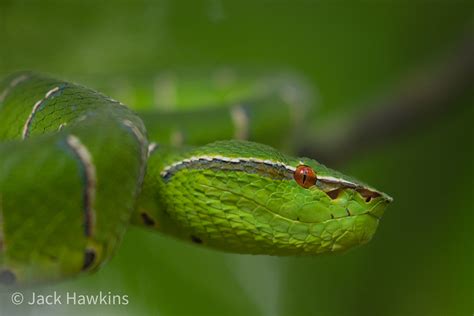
pixel 379 209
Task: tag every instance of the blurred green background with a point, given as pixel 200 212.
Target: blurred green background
pixel 420 261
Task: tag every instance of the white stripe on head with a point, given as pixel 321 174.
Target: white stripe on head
pixel 336 181
pixel 219 158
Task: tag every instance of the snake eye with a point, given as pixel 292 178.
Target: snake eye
pixel 305 176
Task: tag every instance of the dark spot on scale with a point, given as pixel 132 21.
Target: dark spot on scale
pixel 348 212
pixel 89 258
pixel 7 277
pixel 332 216
pixel 147 220
pixel 196 239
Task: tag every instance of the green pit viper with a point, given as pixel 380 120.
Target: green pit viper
pixel 77 167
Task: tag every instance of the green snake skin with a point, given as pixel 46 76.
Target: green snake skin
pixel 76 167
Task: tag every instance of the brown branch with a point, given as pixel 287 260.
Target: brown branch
pixel 423 97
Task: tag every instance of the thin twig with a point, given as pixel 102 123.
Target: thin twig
pixel 425 96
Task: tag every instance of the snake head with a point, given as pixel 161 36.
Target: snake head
pixel 249 198
pixel 340 211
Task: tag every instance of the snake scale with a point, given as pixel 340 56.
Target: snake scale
pixel 77 167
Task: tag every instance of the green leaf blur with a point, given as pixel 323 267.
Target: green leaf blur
pixel 420 261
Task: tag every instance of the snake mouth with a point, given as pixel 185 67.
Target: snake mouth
pixel 373 215
pixel 375 200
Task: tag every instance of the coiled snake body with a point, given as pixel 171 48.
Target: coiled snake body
pixel 76 167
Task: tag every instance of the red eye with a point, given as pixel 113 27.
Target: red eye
pixel 305 176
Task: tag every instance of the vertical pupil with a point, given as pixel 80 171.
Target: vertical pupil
pixel 305 176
